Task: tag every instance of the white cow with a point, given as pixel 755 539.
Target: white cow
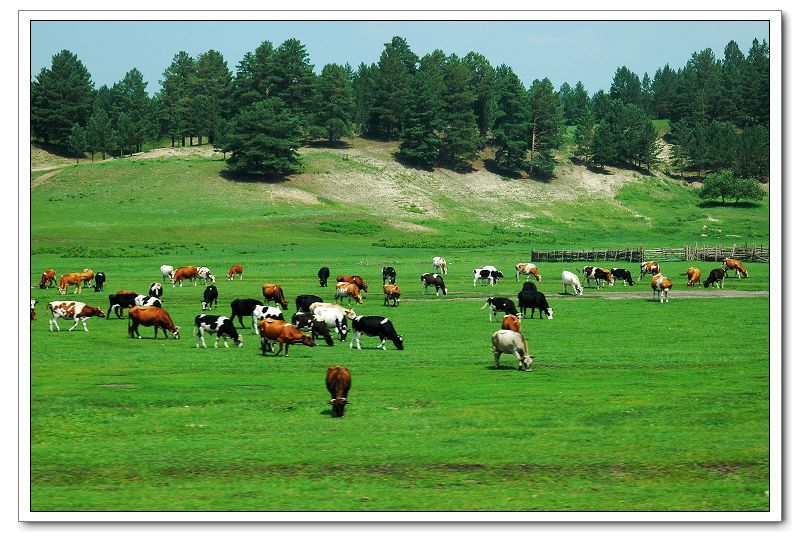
pixel 264 311
pixel 166 272
pixel 568 278
pixel 205 274
pixel 335 316
pixel 146 301
pixel 441 264
pixel 505 341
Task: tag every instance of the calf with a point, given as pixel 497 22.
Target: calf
pixel 375 326
pixel 210 295
pixel 622 274
pixel 86 276
pixel 505 341
pixel 348 290
pixel 338 381
pixel 33 309
pixel 235 269
pixel 334 316
pixel 440 264
pixel 273 292
pixel 283 333
pixel 205 274
pixel 503 304
pixel 68 279
pixel 568 278
pixel 305 321
pixel 648 268
pixel 48 279
pixel 323 275
pixel 353 279
pixel 511 321
pixel 243 307
pixel 435 280
pixel 264 311
pixel 79 312
pixel 188 272
pixel 304 302
pixel 528 269
pixel 146 301
pixel 121 300
pixel 389 274
pixel 661 286
pixel 487 274
pixel 731 263
pixel 693 276
pixel 99 281
pixel 221 326
pixel 156 290
pixel 166 272
pixel 714 277
pixel 391 293
pixel 154 317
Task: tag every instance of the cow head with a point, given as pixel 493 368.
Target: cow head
pixel 239 341
pixel 96 311
pixel 525 363
pixel 398 342
pixel 338 404
pixel 177 333
pixel 549 313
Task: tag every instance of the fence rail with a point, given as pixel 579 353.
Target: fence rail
pixel 746 253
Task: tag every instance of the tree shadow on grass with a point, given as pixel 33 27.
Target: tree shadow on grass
pixel 409 163
pixel 325 144
pixel 491 166
pixel 229 175
pixel 598 169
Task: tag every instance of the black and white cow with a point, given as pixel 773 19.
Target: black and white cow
pixel 118 301
pixel 715 276
pixel 538 301
pixel 622 274
pixel 305 321
pixel 335 317
pixel 243 307
pixel 433 279
pixel 99 280
pixel 389 274
pixel 304 302
pixel 488 274
pixel 210 295
pixel 265 311
pixel 156 290
pixel 375 326
pixel 323 275
pixel 221 326
pixel 500 304
pixel 146 301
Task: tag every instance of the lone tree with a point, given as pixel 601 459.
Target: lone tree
pixel 724 185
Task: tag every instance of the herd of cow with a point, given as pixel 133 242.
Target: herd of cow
pixel 319 318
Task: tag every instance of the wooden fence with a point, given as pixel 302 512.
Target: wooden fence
pixel 746 253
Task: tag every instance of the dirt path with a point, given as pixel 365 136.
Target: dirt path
pixel 40 180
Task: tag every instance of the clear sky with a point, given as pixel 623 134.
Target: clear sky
pixel 567 51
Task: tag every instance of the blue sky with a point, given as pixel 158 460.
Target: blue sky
pixel 567 51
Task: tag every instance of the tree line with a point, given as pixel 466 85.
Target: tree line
pixel 443 109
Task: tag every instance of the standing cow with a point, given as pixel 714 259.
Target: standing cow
pixel 648 268
pixel 661 286
pixel 48 279
pixel 323 275
pixel 348 290
pixel 440 264
pixel 528 269
pixel 283 333
pixel 99 281
pixel 167 272
pixel 736 265
pixel 86 276
pixel 335 317
pixel 188 272
pixel 210 295
pixel 68 279
pixel 273 292
pixel 389 274
pixel 391 293
pixel 338 381
pixel 435 280
pixel 715 277
pixel 221 326
pixel 79 312
pixel 375 326
pixel 33 309
pixel 568 278
pixel 206 274
pixel 154 317
pixel 693 276
pixel 505 341
pixel 235 269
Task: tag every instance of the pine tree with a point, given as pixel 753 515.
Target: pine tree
pixel 566 96
pixel 732 78
pixel 752 153
pixel 699 88
pixel 546 126
pixel 212 84
pixel 76 142
pixel 584 133
pixel 461 139
pixel 482 82
pixel 333 104
pixel 580 100
pixel 665 83
pixel 291 78
pixel 176 95
pixel 393 96
pixel 421 138
pixel 756 83
pixel 626 87
pixel 512 126
pixel 603 149
pixel 131 98
pixel 252 82
pixel 364 81
pixel 99 133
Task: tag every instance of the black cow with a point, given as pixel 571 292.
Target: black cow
pixel 375 326
pixel 323 275
pixel 716 275
pixel 303 302
pixel 433 279
pixel 622 274
pixel 99 280
pixel 243 307
pixel 119 302
pixel 221 326
pixel 389 274
pixel 156 290
pixel 539 301
pixel 305 321
pixel 526 297
pixel 210 295
pixel 498 304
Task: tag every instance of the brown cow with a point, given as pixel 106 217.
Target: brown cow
pixel 511 321
pixel 391 293
pixel 48 279
pixel 188 272
pixel 338 381
pixel 693 275
pixel 235 269
pixel 273 292
pixel 155 317
pixel 661 286
pixel 649 268
pixel 78 311
pixel 731 263
pixel 283 332
pixel 353 279
pixel 70 278
pixel 348 290
pixel 87 275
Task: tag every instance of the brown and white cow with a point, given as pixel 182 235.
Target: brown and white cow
pixel 48 279
pixel 391 293
pixel 235 269
pixel 68 279
pixel 281 332
pixel 599 275
pixel 528 269
pixel 648 268
pixel 661 286
pixel 693 276
pixel 274 292
pixel 353 279
pixel 348 290
pixel 78 311
pixel 439 264
pixel 512 322
pixel 736 265
pixel 188 272
pixel 338 381
pixel 155 317
pixel 87 275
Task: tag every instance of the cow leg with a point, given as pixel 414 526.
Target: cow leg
pixel 382 346
pixel 216 342
pixel 496 359
pixel 77 321
pixel 83 321
pixel 54 320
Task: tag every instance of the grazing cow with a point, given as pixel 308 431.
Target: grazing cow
pixel 568 278
pixel 154 317
pixel 188 272
pixel 714 277
pixel 391 293
pixel 48 279
pixel 99 281
pixel 79 312
pixel 338 381
pixel 506 341
pixel 283 333
pixel 243 307
pixel 528 269
pixel 221 326
pixel 622 274
pixel 348 290
pixel 353 279
pixel 146 301
pixel 375 326
pixel 273 292
pixel 440 264
pixel 156 290
pixel 335 316
pixel 503 304
pixel 68 279
pixel 305 321
pixel 205 274
pixel 166 272
pixel 598 274
pixel 731 263
pixel 526 297
pixel 121 300
pixel 435 280
pixel 693 276
pixel 86 276
pixel 661 286
pixel 210 295
pixel 33 309
pixel 488 274
pixel 235 269
pixel 511 321
pixel 540 302
pixel 323 275
pixel 389 274
pixel 304 302
pixel 648 268
pixel 263 311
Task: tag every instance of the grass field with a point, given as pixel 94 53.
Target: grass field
pixel 631 404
